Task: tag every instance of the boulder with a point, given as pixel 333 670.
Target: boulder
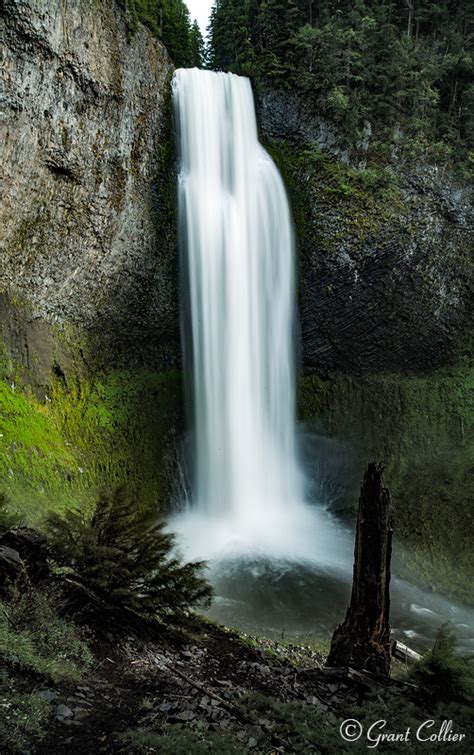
pixel 32 549
pixel 12 570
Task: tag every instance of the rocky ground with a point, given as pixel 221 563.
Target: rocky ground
pixel 218 692
pixel 198 685
pixel 73 686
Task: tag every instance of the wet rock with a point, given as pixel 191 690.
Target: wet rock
pixel 63 712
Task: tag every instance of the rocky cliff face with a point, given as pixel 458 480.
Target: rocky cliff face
pixel 88 227
pixel 386 254
pixel 88 274
pixel 386 292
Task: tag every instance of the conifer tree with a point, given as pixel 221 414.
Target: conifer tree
pixel 121 563
pixel 392 62
pixel 169 20
pixel 197 54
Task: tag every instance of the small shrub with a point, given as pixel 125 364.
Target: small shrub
pixel 307 728
pixel 337 102
pixel 180 742
pixel 120 562
pixel 444 674
pixel 7 519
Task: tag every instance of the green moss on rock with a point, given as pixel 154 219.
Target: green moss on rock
pixel 422 428
pixel 116 427
pixel 363 200
pixel 34 456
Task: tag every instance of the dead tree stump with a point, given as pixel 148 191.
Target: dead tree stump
pixel 362 641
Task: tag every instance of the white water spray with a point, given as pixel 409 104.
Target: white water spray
pixel 237 238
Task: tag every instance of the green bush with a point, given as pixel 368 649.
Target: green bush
pixel 7 519
pixel 307 728
pixel 121 562
pixel 180 742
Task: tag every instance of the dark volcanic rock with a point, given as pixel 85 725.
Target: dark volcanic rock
pixel 12 569
pixel 386 257
pixel 399 298
pixel 290 118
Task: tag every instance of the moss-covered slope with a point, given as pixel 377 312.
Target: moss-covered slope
pixel 119 426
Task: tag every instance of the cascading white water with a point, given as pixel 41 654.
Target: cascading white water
pixel 248 495
pixel 238 249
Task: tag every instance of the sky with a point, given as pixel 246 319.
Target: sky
pixel 200 10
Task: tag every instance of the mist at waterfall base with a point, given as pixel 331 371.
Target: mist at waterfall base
pixel 277 558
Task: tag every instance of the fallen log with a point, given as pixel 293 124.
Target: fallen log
pixel 362 641
pixel 404 653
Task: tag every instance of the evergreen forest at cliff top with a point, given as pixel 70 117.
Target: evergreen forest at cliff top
pixel 402 65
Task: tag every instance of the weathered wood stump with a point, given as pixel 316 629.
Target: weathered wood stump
pixel 362 641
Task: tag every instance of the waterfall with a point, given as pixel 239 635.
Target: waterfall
pixel 276 560
pixel 238 260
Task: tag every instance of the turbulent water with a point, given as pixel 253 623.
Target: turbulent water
pixel 238 253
